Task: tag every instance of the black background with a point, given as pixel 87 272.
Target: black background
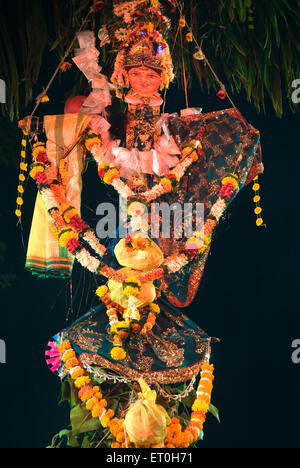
pixel 248 297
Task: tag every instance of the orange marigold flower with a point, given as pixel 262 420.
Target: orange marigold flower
pixel 65 66
pixel 140 242
pixel 73 362
pixel 166 184
pixel 83 390
pixel 91 141
pixel 91 403
pixel 64 346
pixel 77 373
pixel 97 410
pixel 175 421
pixel 115 445
pixel 87 395
pixel 69 354
pixel 206 366
pixel 120 437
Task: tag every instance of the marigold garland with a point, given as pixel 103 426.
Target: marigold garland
pixel 22 178
pixel 91 396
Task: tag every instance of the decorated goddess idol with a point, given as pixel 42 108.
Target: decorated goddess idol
pixel 135 368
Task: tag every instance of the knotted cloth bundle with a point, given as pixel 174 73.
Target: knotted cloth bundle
pixel 146 422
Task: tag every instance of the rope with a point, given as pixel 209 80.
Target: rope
pixel 83 25
pixel 180 7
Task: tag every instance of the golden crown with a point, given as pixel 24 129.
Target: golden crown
pixel 142 42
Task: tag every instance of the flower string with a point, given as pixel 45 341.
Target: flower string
pixel 22 176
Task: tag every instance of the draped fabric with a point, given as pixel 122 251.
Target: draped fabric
pixel 226 138
pixel 172 352
pixel 45 257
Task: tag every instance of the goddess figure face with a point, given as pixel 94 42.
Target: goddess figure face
pixel 144 80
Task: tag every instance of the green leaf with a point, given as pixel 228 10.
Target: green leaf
pixel 82 421
pixel 214 411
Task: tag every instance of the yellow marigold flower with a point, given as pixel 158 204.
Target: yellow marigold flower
pixel 22 178
pixel 90 142
pixel 259 222
pixel 140 242
pixel 257 210
pixel 134 279
pixel 65 236
pixel 200 406
pixel 20 189
pixel 131 291
pixel 102 291
pixel 23 166
pixel 20 201
pixel 105 421
pixel 111 175
pixel 82 381
pixel 155 308
pixel 189 37
pixel 123 324
pixel 166 184
pixel 35 169
pixel 256 199
pixel 118 354
pixel 45 98
pixel 38 147
pixel 182 23
pixel 23 154
pixel 18 213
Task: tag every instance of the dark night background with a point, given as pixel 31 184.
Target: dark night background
pixel 248 297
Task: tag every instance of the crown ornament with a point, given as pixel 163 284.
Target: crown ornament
pixel 142 42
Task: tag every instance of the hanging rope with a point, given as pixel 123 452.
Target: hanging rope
pixel 180 6
pixel 70 48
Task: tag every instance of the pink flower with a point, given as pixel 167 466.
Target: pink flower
pixel 73 245
pixel 41 178
pixel 78 224
pixel 227 190
pixel 128 238
pixel 53 353
pixel 42 157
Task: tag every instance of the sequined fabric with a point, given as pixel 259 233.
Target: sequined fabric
pixel 225 137
pixel 172 352
pixel 140 126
